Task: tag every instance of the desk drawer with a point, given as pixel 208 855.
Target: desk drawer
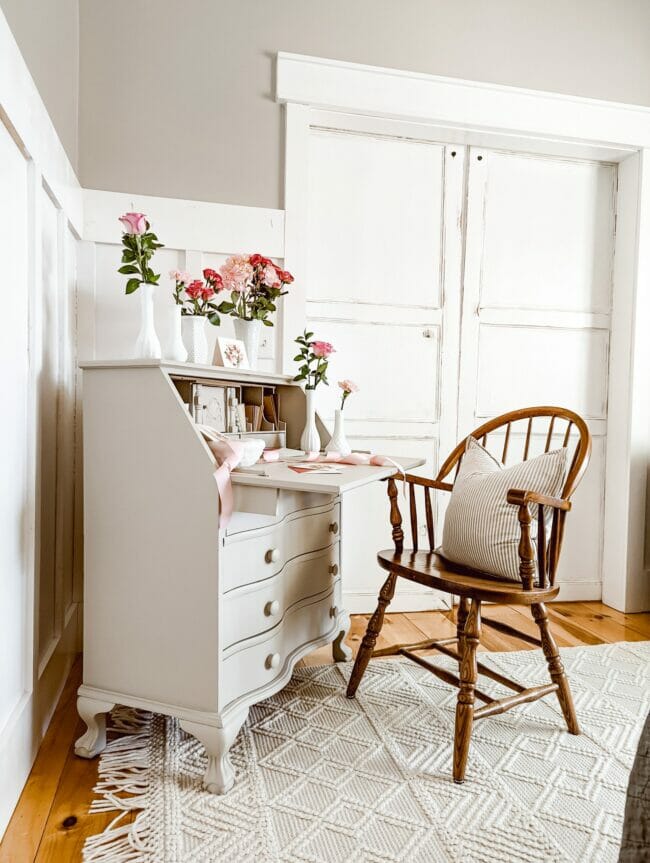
pixel 256 608
pixel 250 667
pixel 257 555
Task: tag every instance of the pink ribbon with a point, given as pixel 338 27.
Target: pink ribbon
pixel 228 454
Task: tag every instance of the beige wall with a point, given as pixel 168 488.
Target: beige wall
pixel 47 33
pixel 175 95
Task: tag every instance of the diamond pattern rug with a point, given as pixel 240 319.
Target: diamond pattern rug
pixel 324 779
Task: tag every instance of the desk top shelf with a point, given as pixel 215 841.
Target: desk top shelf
pixel 195 371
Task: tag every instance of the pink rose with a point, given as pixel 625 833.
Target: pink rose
pixel 322 349
pixel 195 289
pixel 348 386
pixel 270 277
pixel 134 223
pixel 285 276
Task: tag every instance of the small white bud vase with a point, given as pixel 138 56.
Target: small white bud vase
pixel 249 333
pixel 338 442
pixel 310 439
pixel 177 351
pixel 147 345
pixel 194 338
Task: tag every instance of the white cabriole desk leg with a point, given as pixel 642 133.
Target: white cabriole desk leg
pixel 340 651
pixel 220 775
pixel 93 712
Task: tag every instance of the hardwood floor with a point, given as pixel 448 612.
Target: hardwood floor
pixel 51 820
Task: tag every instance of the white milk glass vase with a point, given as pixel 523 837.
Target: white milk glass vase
pixel 248 332
pixel 194 338
pixel 338 442
pixel 310 439
pixel 147 345
pixel 177 352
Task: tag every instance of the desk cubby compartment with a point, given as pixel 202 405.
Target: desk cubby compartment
pixel 214 403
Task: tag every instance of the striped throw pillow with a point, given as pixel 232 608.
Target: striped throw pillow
pixel 481 528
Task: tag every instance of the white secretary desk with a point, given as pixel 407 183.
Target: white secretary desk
pixel 180 617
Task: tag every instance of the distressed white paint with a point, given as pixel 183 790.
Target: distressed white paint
pixel 382 215
pixel 565 296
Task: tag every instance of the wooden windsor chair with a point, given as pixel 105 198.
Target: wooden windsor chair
pixel 537 569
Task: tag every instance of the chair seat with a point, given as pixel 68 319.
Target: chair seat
pixel 433 570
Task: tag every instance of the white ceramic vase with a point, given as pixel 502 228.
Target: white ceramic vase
pixel 177 351
pixel 194 338
pixel 249 333
pixel 338 442
pixel 147 345
pixel 310 439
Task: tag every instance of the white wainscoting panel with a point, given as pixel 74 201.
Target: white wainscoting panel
pixel 196 235
pixel 40 217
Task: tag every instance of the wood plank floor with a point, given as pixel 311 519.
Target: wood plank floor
pixel 51 820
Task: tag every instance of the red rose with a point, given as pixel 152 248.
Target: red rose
pixel 255 260
pixel 209 275
pixel 285 277
pixel 195 289
pixel 207 293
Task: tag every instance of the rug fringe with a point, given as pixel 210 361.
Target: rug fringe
pixel 123 781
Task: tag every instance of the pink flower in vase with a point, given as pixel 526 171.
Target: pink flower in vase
pixel 322 349
pixel 271 278
pixel 134 223
pixel 236 272
pixel 348 386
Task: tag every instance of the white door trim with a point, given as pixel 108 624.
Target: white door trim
pixel 335 94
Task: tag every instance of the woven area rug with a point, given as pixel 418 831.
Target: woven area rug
pixel 324 779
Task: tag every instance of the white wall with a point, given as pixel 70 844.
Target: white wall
pixel 40 220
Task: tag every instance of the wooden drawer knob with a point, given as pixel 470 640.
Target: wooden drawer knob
pixel 334 611
pixel 334 569
pixel 272 555
pixel 272 660
pixel 272 608
pixel 334 527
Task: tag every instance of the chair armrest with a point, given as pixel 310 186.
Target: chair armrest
pixel 421 480
pixel 520 497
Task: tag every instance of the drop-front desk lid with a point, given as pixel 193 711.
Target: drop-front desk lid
pixel 279 475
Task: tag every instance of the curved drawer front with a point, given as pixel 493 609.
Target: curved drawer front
pixel 247 558
pixel 255 608
pixel 248 668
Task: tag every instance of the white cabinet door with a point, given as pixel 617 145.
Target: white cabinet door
pixel 536 315
pixel 381 266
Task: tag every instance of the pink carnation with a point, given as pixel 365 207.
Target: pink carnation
pixel 348 386
pixel 134 223
pixel 322 349
pixel 236 272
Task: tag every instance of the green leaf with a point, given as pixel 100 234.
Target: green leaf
pixel 128 269
pixel 267 322
pixel 214 319
pixel 132 285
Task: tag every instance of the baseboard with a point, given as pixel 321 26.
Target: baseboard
pixel 365 602
pixel 579 591
pixel 23 734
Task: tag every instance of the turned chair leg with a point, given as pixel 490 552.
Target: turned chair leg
pixel 555 667
pixel 461 620
pixel 468 677
pixel 370 638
